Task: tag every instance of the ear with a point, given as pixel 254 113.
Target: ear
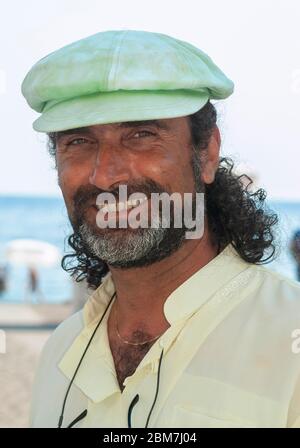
pixel 210 157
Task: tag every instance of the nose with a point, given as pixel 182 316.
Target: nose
pixel 111 166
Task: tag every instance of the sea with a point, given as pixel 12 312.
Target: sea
pixel 45 218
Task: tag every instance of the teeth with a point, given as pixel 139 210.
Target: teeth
pixel 119 206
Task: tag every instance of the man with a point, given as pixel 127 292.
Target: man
pixel 179 332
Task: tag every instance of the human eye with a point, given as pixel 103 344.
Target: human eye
pixel 77 141
pixel 143 133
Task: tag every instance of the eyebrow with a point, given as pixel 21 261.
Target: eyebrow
pixel 156 123
pixel 125 124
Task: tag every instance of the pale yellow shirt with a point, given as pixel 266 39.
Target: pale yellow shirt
pixel 227 357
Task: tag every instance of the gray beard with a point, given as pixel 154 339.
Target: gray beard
pixel 134 247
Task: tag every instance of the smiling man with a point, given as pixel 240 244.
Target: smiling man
pixel 178 331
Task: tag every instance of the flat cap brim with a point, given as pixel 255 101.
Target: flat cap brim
pixel 118 106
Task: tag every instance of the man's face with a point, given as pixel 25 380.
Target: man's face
pixel 148 157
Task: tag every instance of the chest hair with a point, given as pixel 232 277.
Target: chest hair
pixel 128 357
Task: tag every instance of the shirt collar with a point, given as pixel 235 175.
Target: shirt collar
pixel 203 284
pixel 187 298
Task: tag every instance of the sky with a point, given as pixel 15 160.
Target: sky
pixel 256 43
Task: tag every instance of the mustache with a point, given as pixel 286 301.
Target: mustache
pixel 87 194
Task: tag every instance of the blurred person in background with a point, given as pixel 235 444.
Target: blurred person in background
pixel 33 289
pixel 295 251
pixel 3 279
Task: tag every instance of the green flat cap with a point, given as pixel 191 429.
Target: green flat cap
pixel 117 76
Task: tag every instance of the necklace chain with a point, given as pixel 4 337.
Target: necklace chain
pixel 133 343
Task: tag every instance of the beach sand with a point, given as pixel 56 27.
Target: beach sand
pixel 24 331
pixel 17 367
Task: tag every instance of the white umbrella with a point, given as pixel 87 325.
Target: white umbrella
pixel 32 253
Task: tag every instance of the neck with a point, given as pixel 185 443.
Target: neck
pixel 142 292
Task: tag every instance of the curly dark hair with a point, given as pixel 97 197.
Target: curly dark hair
pixel 235 213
